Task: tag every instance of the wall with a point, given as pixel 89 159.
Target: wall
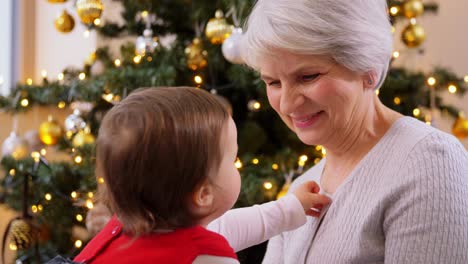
pixel 445 45
pixel 54 51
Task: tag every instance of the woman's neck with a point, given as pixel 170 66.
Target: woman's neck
pixel 354 143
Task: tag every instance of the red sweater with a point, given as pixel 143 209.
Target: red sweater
pixel 111 245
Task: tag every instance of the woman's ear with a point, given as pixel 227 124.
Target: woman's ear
pixel 369 80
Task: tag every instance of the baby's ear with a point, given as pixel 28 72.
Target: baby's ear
pixel 202 199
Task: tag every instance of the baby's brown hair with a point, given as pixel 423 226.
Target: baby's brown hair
pixel 154 148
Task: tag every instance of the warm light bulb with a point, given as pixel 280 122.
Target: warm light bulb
pixel 48 196
pixel 82 76
pixel 431 81
pixel 257 105
pixel 393 29
pixel 36 156
pixel 40 207
pixel 101 180
pixel 413 21
pixel 303 158
pixel 466 78
pixel 198 79
pixel 137 59
pixel 34 209
pixel 44 74
pixel 238 163
pixel 86 34
pixel 377 92
pixel 79 217
pixel 324 151
pixel 397 100
pixel 61 105
pixel 13 246
pixel 24 102
pixel 12 172
pixel 396 54
pixel 452 89
pixel 394 10
pixel 255 161
pixel 97 22
pixel 74 195
pixel 78 243
pixel 416 112
pixel 43 152
pixel 144 14
pixel 89 204
pixel 78 159
pixel 60 76
pixel 268 185
pixel 90 195
pixel 275 166
pixel 117 63
pixel 29 81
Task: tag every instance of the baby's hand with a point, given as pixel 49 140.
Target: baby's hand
pixel 311 200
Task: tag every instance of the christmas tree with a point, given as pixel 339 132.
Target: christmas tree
pixel 199 50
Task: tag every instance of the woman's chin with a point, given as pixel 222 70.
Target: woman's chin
pixel 311 139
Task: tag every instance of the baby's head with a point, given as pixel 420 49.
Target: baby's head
pixel 167 158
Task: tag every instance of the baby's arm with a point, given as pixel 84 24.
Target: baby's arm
pixel 245 227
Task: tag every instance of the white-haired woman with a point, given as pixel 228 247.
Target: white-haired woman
pixel 399 187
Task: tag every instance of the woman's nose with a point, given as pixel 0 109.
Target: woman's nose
pixel 291 98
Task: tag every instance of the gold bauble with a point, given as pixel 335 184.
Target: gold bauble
pixel 65 22
pixel 283 191
pixel 196 55
pixel 412 8
pixel 460 127
pixel 57 1
pixel 89 10
pixel 82 138
pixel 21 234
pixel 50 132
pixel 217 29
pixel 413 36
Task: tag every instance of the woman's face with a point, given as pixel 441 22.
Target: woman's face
pixel 320 100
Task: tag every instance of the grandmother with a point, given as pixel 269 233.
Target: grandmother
pixel 399 187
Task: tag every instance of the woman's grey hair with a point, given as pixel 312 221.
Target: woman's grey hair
pixel 355 33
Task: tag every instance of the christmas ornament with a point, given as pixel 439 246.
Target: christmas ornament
pixel 83 137
pixel 65 22
pixel 231 47
pixel 89 10
pixel 91 58
pixel 217 28
pixel 413 35
pixel 146 43
pixel 15 146
pixel 56 1
pixel 32 137
pixel 284 190
pixel 196 55
pixel 412 8
pixel 74 122
pixel 50 132
pixel 21 234
pixel 460 127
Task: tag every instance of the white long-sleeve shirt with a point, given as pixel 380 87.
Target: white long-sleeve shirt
pixel 245 227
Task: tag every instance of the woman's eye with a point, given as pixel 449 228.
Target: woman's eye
pixel 273 83
pixel 310 77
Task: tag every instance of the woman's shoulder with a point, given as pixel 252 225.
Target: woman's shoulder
pixel 415 137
